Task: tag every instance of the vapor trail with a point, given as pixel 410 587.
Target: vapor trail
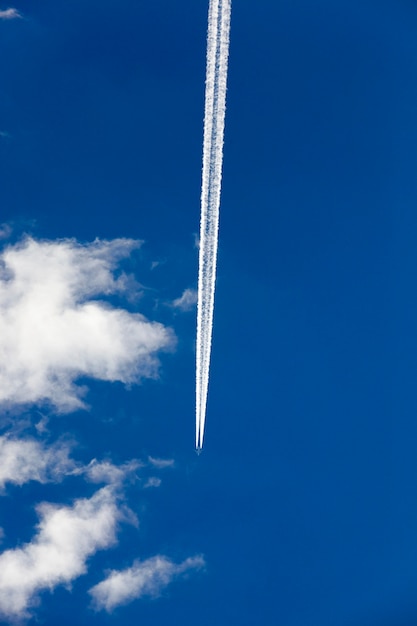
pixel 214 115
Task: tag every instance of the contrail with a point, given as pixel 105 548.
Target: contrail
pixel 214 115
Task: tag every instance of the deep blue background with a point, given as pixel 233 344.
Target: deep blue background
pixel 304 501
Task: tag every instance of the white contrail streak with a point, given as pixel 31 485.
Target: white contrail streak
pixel 214 115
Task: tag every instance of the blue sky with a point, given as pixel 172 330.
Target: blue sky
pixel 302 509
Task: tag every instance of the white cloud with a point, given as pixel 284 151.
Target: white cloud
pixel 146 578
pixel 66 538
pixel 53 329
pixel 106 472
pixel 161 463
pixel 153 481
pixel 156 264
pixel 22 460
pixel 187 301
pixel 26 459
pixel 9 14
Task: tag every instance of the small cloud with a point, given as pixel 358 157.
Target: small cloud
pixel 9 14
pixel 106 472
pixel 23 460
pixel 144 578
pixel 187 301
pixel 26 459
pixel 67 536
pixel 161 463
pixel 153 482
pixel 5 229
pixel 42 426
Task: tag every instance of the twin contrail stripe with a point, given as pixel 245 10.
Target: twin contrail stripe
pixel 215 109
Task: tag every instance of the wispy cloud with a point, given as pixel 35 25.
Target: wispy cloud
pixel 161 463
pixel 5 229
pixel 9 14
pixel 26 459
pixel 106 472
pixel 54 330
pixel 23 460
pixel 153 481
pixel 67 536
pixel 144 578
pixel 187 301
